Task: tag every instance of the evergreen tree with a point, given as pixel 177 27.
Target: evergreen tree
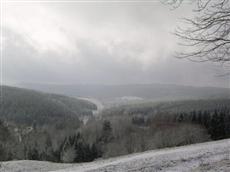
pixel 194 119
pixel 107 135
pixel 199 118
pixel 94 151
pixel 181 117
pixel 227 124
pixel 206 119
pixel 33 154
pixel 75 149
pixel 213 129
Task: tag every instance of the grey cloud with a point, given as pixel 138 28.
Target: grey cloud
pixel 144 58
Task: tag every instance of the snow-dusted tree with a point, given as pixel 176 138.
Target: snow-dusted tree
pixel 107 134
pixel 68 155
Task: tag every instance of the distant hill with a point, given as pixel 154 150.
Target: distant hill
pixel 145 91
pixel 180 106
pixel 24 106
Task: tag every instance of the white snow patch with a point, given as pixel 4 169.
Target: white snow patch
pixel 209 156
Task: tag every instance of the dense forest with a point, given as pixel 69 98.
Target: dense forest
pixel 25 107
pixel 39 126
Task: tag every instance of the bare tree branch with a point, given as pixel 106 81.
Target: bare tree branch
pixel 206 37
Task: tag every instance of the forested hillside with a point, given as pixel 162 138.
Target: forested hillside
pixel 40 126
pixel 34 125
pixel 23 106
pixel 151 108
pixel 157 92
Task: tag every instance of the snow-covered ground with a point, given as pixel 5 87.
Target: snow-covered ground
pixel 210 156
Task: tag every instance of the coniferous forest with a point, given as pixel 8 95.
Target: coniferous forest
pixel 65 137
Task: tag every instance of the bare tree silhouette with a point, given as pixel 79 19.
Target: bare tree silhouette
pixel 206 36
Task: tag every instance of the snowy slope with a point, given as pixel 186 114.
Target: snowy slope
pixel 210 156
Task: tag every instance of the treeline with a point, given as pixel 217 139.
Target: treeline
pixel 49 143
pixel 151 108
pixel 5 140
pixel 124 136
pixel 113 135
pixel 217 122
pixel 71 149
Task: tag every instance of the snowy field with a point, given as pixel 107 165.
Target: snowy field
pixel 210 156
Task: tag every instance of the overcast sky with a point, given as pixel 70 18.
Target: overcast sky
pixel 98 43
